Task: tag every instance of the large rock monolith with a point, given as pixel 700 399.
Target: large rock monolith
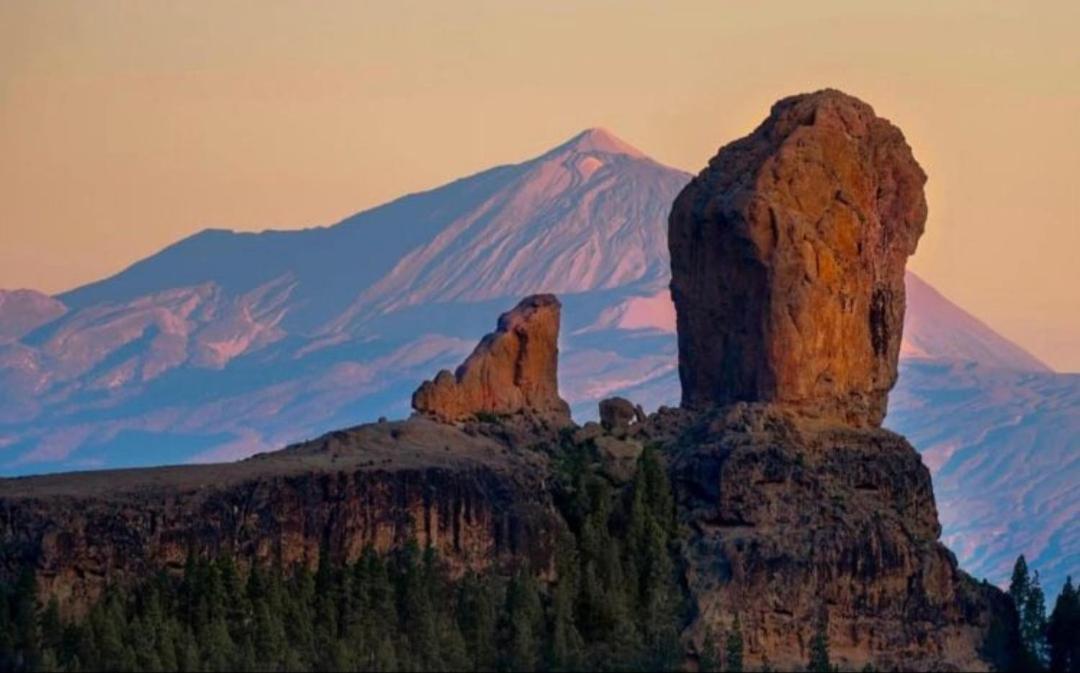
pixel 787 260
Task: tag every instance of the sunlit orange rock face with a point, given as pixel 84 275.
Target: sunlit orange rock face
pixel 787 258
pixel 513 370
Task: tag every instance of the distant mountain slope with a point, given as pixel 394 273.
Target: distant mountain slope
pixel 227 344
pixel 21 311
pixel 571 223
pixel 218 345
pixel 939 329
pixel 1004 449
pixel 327 266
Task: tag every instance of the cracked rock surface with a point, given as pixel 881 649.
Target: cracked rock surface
pixel 787 259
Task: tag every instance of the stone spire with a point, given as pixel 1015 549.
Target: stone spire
pixel 512 370
pixel 787 260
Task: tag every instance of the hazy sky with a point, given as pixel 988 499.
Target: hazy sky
pixel 125 126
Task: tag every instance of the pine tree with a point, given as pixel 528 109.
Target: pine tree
pixel 650 563
pixel 660 498
pixel 819 648
pixel 417 612
pixel 1063 631
pixel 107 629
pixel 167 640
pixel 218 648
pixel 7 639
pixel 143 641
pixel 1021 582
pixel 246 658
pixel 733 650
pixel 709 656
pixel 660 601
pixel 328 655
pixel 23 622
pixel 567 648
pixel 268 636
pixel 1020 591
pixel 297 607
pixel 608 589
pixel 236 605
pixel 524 622
pixel 478 616
pixel 616 604
pixel 188 650
pixel 1033 623
pixel 51 629
pixel 48 662
pixel 377 616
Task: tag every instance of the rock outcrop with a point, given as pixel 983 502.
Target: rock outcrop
pixel 513 370
pixel 787 259
pixel 617 413
pixel 796 523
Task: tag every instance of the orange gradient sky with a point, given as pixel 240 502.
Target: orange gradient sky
pixel 125 126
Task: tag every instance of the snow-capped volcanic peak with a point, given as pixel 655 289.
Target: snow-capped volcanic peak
pixel 590 214
pixel 598 141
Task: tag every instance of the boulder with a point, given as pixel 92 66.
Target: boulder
pixel 617 413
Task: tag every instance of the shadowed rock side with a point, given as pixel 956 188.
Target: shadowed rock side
pixel 794 521
pixel 382 485
pixel 513 370
pixel 787 260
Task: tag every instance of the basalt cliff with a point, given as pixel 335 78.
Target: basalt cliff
pixel 458 490
pixel 796 513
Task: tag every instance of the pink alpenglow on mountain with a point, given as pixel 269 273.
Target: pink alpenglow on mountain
pixel 513 370
pixel 21 311
pixel 937 329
